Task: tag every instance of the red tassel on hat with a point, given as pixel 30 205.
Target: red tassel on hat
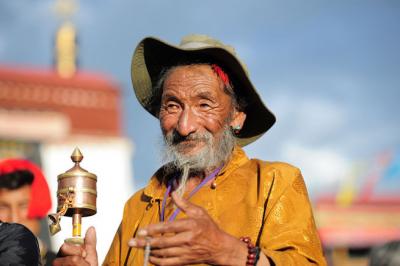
pixel 221 74
pixel 40 202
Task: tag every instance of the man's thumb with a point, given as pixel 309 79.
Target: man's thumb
pixel 180 202
pixel 90 246
pixel 90 237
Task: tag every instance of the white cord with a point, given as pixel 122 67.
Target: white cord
pixel 147 252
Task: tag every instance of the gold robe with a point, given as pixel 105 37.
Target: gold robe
pixel 266 201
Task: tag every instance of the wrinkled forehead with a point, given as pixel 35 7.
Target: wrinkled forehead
pixel 198 81
pixel 188 74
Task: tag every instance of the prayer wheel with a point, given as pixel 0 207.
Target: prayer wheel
pixel 76 198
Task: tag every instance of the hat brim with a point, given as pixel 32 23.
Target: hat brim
pixel 152 56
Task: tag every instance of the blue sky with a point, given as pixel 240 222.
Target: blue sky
pixel 329 70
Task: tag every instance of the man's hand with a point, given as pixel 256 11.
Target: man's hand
pixel 195 239
pixel 79 255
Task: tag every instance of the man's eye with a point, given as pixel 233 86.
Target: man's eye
pixel 205 106
pixel 172 107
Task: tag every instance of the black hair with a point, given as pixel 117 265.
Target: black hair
pixel 16 179
pixel 18 245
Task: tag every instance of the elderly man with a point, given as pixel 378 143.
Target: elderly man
pixel 210 204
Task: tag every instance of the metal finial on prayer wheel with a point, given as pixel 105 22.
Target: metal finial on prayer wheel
pixel 76 155
pixel 76 197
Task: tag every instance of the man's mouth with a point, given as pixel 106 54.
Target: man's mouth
pixel 188 143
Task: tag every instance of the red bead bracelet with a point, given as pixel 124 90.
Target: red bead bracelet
pixel 253 252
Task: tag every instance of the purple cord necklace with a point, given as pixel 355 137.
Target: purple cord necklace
pixel 164 202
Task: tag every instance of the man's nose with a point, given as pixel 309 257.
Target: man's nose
pixel 187 123
pixel 15 216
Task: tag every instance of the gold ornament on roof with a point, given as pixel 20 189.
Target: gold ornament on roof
pixel 66 48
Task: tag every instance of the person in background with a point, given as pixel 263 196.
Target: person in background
pixel 24 197
pixel 387 254
pixel 18 246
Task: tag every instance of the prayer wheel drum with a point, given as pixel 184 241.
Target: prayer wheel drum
pixel 81 184
pixel 76 198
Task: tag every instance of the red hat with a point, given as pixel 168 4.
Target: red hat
pixel 40 202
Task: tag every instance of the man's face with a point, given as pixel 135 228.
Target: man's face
pixel 14 205
pixel 194 104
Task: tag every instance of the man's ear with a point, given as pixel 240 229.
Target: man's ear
pixel 238 120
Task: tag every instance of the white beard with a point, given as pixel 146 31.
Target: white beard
pixel 215 153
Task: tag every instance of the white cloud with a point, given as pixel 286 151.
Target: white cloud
pixel 311 120
pixel 304 135
pixel 320 115
pixel 307 127
pixel 321 167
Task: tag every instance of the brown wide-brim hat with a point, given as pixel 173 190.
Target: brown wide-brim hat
pixel 152 56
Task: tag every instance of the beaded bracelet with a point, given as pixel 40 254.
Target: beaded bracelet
pixel 253 252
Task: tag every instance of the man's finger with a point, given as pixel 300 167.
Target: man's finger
pixel 177 226
pixel 187 207
pixel 161 230
pixel 71 250
pixel 162 241
pixel 166 261
pixel 71 260
pixel 180 202
pixel 167 252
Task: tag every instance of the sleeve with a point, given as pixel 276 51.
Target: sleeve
pixel 18 245
pixel 289 235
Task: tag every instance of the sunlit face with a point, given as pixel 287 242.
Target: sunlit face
pixel 194 101
pixel 14 207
